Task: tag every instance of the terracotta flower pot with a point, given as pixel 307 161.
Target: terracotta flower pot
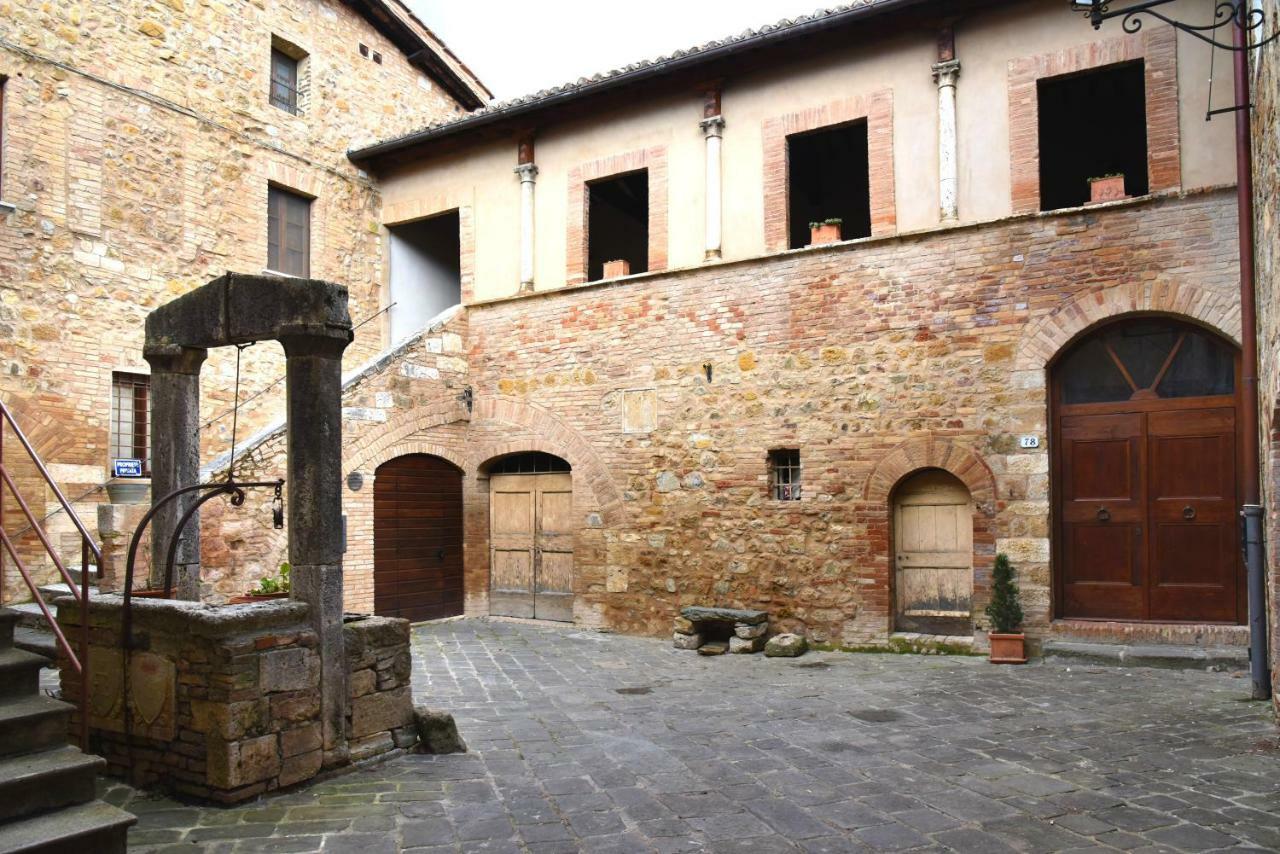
pixel 616 269
pixel 1008 649
pixel 1108 189
pixel 827 232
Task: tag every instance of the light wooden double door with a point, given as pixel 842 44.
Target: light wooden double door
pixel 531 546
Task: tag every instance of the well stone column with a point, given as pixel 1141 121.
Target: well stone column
pixel 528 176
pixel 945 75
pixel 175 462
pixel 313 388
pixel 713 130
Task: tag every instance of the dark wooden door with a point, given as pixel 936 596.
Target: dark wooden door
pixel 417 538
pixel 1146 472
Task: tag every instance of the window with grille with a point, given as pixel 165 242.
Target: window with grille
pixel 534 462
pixel 284 81
pixel 784 474
pixel 288 233
pixel 130 418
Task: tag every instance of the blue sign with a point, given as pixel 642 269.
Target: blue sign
pixel 127 468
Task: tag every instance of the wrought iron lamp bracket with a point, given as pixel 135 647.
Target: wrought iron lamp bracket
pixel 1226 14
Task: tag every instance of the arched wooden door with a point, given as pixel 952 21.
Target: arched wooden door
pixel 417 538
pixel 1146 472
pixel 933 554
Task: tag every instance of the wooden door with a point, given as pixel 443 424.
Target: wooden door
pixel 417 538
pixel 531 544
pixel 933 533
pixel 1103 512
pixel 1146 472
pixel 1192 514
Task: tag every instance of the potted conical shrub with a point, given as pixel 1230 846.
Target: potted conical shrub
pixel 1008 645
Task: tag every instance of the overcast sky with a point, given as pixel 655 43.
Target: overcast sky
pixel 518 47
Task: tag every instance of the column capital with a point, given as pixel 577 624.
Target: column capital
pixel 175 359
pixel 712 126
pixel 945 73
pixel 527 172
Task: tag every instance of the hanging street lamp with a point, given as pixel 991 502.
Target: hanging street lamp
pixel 1248 31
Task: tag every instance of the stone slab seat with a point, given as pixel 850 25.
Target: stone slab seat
pixel 700 614
pixel 92 828
pixel 51 779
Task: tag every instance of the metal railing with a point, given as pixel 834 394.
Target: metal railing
pixel 77 659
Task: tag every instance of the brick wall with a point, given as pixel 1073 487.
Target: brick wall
pixel 138 147
pixel 873 359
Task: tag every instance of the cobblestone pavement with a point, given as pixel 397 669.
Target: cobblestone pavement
pixel 598 743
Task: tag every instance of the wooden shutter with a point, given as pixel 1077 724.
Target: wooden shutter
pixel 288 233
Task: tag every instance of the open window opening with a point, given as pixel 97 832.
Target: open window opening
pixel 426 272
pixel 829 178
pixel 1092 125
pixel 618 226
pixel 130 422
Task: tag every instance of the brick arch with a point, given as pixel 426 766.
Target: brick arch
pixel 926 452
pixel 417 446
pixel 375 448
pixel 1045 338
pixel 553 436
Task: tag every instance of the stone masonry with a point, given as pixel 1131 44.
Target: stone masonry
pixel 138 148
pixel 875 359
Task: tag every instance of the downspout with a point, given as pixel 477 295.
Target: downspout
pixel 1252 512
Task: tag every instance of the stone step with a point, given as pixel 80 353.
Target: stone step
pixel 20 672
pixel 40 641
pixel 30 615
pixel 1150 634
pixel 95 827
pixel 1147 655
pixel 32 723
pixel 8 621
pixel 51 591
pixel 51 779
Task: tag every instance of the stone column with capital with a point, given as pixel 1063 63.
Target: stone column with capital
pixel 713 130
pixel 313 390
pixel 528 175
pixel 945 75
pixel 175 462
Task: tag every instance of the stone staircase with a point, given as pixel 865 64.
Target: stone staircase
pixel 32 633
pixel 47 800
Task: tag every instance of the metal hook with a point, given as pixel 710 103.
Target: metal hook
pixel 277 508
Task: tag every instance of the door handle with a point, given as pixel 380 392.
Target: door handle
pixel 1188 512
pixel 440 554
pixel 1104 515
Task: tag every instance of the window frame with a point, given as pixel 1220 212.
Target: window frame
pixel 139 446
pixel 279 197
pixel 293 87
pixel 792 487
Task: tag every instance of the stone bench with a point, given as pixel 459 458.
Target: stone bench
pixel 714 631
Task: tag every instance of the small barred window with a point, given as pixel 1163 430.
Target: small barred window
pixel 784 474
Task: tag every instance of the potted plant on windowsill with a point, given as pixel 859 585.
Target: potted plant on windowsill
pixel 1008 645
pixel 269 587
pixel 1107 188
pixel 827 231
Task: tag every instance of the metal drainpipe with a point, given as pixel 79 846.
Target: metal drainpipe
pixel 1259 671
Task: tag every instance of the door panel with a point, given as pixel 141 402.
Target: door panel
pixel 933 532
pixel 531 536
pixel 417 541
pixel 1193 515
pixel 1103 514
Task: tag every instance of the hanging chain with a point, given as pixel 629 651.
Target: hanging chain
pixel 235 413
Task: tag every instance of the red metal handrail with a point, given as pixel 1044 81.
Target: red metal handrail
pixel 78 662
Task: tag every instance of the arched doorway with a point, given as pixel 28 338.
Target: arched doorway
pixel 417 538
pixel 933 554
pixel 1145 474
pixel 531 537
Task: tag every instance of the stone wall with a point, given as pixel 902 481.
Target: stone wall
pixel 138 149
pixel 223 700
pixel 875 359
pixel 1266 183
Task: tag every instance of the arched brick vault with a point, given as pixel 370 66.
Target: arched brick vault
pixel 933 452
pixel 553 436
pixel 1044 339
pixel 549 434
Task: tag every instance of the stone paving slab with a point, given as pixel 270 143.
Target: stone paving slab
pixel 584 742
